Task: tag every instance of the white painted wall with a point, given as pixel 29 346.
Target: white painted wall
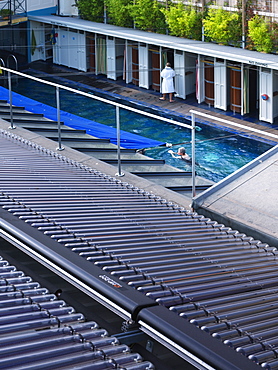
pixel 37 29
pixel 67 8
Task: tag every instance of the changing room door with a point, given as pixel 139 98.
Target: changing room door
pixel 220 84
pixel 245 95
pixel 128 62
pixel 73 47
pixel 111 58
pixel 61 47
pixel 81 52
pixel 200 80
pixel 179 62
pixel 144 79
pixel 64 45
pixel 266 95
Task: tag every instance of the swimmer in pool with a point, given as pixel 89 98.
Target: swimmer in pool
pixel 181 153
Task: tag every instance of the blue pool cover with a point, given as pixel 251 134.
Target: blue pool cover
pixel 128 140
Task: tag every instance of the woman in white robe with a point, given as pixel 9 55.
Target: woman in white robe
pixel 167 87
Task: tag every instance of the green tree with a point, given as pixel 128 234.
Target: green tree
pixel 91 10
pixel 147 15
pixel 184 21
pixel 119 12
pixel 222 26
pixel 260 35
pixel 274 35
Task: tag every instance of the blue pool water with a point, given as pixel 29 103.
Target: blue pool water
pixel 218 152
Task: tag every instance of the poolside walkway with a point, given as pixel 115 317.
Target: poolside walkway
pixel 150 98
pixel 181 107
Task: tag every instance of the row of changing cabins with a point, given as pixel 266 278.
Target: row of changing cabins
pixel 224 77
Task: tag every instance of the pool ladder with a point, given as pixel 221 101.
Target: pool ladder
pixel 3 64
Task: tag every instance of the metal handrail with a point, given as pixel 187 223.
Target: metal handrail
pixel 15 59
pixel 12 56
pixel 117 106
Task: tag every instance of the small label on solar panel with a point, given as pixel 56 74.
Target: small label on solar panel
pixel 110 281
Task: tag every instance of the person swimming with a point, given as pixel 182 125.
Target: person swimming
pixel 181 153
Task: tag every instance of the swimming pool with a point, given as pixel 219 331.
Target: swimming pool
pixel 218 152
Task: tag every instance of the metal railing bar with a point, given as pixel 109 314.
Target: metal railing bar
pixel 88 95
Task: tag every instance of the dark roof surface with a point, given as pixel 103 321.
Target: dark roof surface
pixel 207 287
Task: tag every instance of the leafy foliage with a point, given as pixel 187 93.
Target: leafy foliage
pixel 148 15
pixel 274 35
pixel 92 10
pixel 220 26
pixel 260 34
pixel 119 12
pixel 223 26
pixel 184 21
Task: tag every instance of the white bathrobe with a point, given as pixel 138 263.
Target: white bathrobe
pixel 167 80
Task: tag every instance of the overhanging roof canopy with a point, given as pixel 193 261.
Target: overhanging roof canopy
pixel 172 42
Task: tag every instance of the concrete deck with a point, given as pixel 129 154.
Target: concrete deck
pixel 247 200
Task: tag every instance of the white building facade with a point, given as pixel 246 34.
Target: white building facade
pixel 224 77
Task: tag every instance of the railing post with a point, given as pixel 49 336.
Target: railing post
pixel 193 129
pixel 11 100
pixel 119 173
pixel 60 147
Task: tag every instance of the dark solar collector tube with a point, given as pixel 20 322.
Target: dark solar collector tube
pixel 182 254
pixel 206 278
pixel 147 253
pixel 258 347
pixel 181 273
pixel 54 352
pixel 195 296
pixel 103 222
pixel 264 356
pixel 177 263
pixel 123 226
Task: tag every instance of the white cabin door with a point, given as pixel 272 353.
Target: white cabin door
pixel 144 79
pixel 266 99
pixel 73 49
pixel 245 90
pixel 220 85
pixel 111 58
pixel 128 62
pixel 70 49
pixel 200 80
pixel 64 47
pixel 81 51
pixel 179 64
